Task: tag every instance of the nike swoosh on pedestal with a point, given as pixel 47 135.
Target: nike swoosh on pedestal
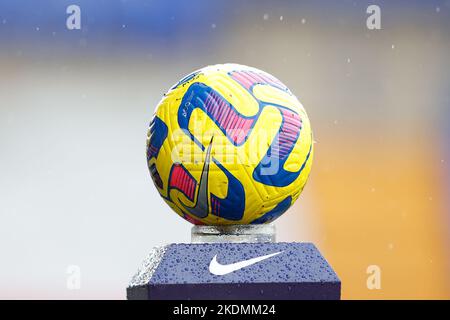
pixel 222 269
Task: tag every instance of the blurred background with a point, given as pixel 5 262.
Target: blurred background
pixel 75 192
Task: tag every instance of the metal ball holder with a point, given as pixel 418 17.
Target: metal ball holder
pixel 233 263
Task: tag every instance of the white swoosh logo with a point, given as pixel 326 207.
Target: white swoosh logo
pixel 222 269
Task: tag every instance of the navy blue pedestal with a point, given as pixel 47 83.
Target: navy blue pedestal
pixel 186 271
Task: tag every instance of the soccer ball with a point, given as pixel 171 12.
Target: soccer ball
pixel 229 144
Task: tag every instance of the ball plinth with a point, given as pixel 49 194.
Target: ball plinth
pixel 246 233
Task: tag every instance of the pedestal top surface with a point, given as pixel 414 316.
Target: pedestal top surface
pixel 243 263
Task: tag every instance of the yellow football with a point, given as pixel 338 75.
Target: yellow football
pixel 229 144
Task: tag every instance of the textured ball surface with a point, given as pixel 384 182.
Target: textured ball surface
pixel 229 144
